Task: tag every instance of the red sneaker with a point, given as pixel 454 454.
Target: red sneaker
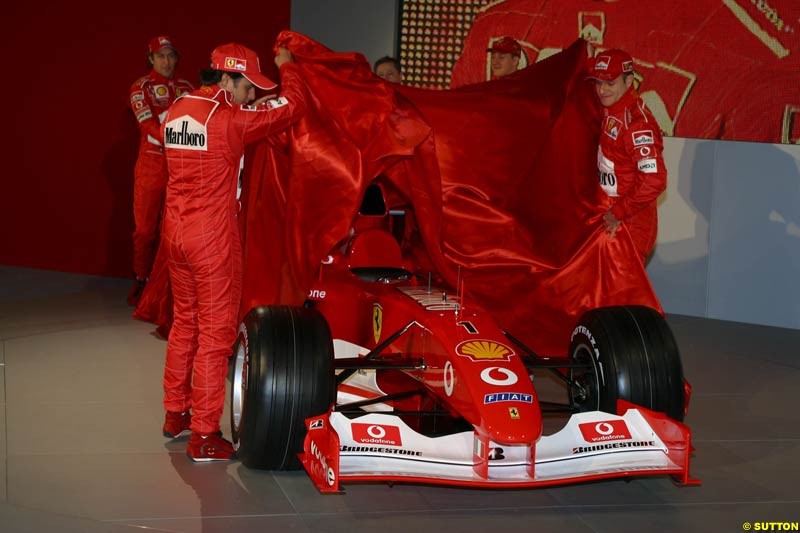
pixel 177 424
pixel 212 447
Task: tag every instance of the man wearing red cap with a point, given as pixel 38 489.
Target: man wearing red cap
pixel 204 135
pixel 505 56
pixel 630 166
pixel 150 96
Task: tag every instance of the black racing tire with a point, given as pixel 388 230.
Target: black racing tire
pixel 282 373
pixel 630 354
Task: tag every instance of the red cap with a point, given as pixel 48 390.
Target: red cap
pixel 610 64
pixel 506 45
pixel 234 57
pixel 157 43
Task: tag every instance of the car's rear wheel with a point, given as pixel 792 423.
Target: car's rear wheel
pixel 628 353
pixel 282 374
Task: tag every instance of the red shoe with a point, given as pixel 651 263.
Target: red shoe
pixel 212 447
pixel 177 424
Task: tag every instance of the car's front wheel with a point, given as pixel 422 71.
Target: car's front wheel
pixel 282 373
pixel 628 353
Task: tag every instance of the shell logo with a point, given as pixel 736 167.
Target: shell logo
pixel 484 350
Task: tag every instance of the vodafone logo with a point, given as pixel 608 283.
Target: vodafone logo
pixel 321 466
pixel 377 434
pixel 605 431
pixel 499 376
pixel 449 378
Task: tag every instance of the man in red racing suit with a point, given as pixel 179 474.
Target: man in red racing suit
pixel 629 162
pixel 204 135
pixel 150 96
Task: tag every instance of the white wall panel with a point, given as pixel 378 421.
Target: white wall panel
pixel 366 26
pixel 729 234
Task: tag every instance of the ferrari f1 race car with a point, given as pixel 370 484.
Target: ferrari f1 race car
pixel 385 375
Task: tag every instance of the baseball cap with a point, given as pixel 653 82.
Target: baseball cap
pixel 506 45
pixel 609 64
pixel 234 57
pixel 157 43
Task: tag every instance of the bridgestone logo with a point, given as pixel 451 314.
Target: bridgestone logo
pixel 374 449
pixel 614 446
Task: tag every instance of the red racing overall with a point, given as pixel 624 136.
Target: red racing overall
pixel 150 96
pixel 631 169
pixel 205 136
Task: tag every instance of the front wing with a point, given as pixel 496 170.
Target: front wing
pixel 592 445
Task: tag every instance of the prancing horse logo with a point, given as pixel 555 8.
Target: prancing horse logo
pixel 377 321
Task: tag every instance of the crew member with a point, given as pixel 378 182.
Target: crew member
pixel 150 96
pixel 388 68
pixel 505 56
pixel 630 166
pixel 205 134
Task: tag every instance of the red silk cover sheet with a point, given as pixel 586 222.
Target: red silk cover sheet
pixel 500 176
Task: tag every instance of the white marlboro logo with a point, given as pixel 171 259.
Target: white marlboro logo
pixel 602 62
pixel 643 137
pixel 185 133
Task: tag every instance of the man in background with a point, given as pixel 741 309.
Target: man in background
pixel 150 96
pixel 505 56
pixel 388 68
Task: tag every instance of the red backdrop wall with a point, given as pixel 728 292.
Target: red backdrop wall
pixel 66 185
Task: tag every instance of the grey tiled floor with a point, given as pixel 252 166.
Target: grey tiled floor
pixel 81 450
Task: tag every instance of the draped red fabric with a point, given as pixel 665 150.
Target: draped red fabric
pixel 500 176
pixel 155 303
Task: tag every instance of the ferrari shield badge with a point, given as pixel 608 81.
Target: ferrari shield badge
pixel 377 321
pixel 513 412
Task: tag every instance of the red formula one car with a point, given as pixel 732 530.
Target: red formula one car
pixel 385 375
